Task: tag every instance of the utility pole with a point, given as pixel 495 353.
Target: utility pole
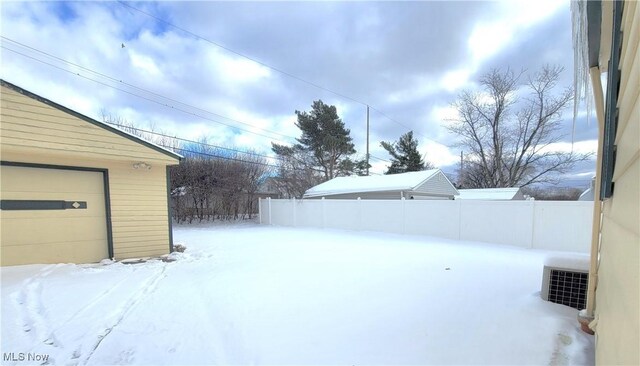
pixel 461 174
pixel 367 139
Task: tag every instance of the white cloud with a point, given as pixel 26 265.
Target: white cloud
pixel 444 114
pixel 438 154
pixel 487 39
pixel 580 147
pixel 235 69
pixel 455 79
pixel 144 64
pixel 513 17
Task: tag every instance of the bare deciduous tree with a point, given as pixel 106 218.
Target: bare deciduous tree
pixel 509 137
pixel 296 172
pixel 155 135
pixel 207 188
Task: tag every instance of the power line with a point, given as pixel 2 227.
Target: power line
pixel 380 159
pixel 138 88
pixel 174 137
pixel 170 147
pixel 241 54
pixel 315 85
pixel 150 100
pixel 183 150
pixel 143 89
pixel 141 97
pixel 403 125
pixel 125 127
pixel 165 97
pixel 217 156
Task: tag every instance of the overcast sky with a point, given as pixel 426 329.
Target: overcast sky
pixel 408 60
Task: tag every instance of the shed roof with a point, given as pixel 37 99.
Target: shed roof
pixel 355 184
pixel 90 120
pixel 488 193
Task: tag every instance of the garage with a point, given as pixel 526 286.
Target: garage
pixel 52 216
pixel 75 190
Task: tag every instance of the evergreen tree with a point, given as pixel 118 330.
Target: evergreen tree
pixel 404 155
pixel 349 167
pixel 324 138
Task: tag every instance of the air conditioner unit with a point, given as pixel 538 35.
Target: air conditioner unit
pixel 565 281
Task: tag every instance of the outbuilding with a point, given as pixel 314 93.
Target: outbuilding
pixel 76 190
pixel 427 184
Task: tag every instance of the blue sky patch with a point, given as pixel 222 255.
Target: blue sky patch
pixel 139 22
pixel 64 11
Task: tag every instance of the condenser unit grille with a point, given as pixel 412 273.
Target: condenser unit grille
pixel 566 287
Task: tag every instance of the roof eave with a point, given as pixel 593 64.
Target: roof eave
pixel 320 194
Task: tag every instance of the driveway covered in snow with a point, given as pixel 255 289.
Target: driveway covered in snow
pixel 266 295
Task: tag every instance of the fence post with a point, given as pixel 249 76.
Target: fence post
pixel 294 212
pixel 359 205
pixel 269 210
pixel 404 215
pixel 459 219
pixel 259 210
pixel 323 213
pixel 533 223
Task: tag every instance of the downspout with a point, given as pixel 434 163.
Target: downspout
pixel 589 317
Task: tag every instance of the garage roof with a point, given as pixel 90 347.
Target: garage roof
pixel 356 184
pixel 90 120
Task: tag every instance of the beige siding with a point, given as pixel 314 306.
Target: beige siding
pixel 617 294
pixel 34 132
pixel 34 127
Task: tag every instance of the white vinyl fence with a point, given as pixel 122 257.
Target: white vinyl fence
pixel 552 225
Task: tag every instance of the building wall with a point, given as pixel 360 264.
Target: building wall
pixel 617 306
pixel 388 195
pixel 437 185
pixel 519 196
pixel 34 132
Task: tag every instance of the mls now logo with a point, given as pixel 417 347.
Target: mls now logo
pixel 22 356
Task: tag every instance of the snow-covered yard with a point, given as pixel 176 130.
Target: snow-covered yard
pixel 267 295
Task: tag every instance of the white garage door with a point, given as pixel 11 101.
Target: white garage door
pixel 52 216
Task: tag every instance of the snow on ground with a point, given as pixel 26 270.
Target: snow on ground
pixel 268 295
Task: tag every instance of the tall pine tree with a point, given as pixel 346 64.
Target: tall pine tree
pixel 324 138
pixel 404 155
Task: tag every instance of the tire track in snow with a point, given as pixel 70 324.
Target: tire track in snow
pixel 32 311
pixel 147 289
pixel 93 302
